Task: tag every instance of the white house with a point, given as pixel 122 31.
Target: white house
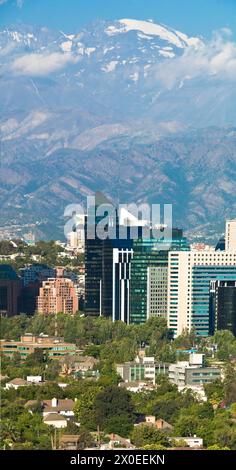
pixel 16 383
pixel 56 420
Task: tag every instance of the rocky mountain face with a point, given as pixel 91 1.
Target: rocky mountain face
pixel 115 108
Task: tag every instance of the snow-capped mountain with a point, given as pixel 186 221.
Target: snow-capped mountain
pixel 111 83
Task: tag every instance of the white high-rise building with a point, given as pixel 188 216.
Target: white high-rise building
pixel 189 278
pixel 230 235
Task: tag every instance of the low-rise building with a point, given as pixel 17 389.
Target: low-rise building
pixel 143 368
pixel 193 372
pixel 160 424
pixel 56 420
pixel 55 347
pixel 63 407
pixel 16 383
pixel 193 442
pixel 69 442
pixel 36 379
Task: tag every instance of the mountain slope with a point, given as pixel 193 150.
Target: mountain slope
pixel 118 106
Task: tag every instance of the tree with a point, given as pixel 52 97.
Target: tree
pixel 226 437
pixel 114 411
pixel 85 407
pixel 85 440
pixel 186 426
pixel 226 344
pixel 230 384
pixel 36 358
pixel 71 428
pixel 144 435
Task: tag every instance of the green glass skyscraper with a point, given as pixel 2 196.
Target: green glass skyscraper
pixel 147 253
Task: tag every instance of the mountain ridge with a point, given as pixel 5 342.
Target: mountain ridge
pixel 70 102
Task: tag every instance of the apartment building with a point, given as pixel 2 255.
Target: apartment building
pixel 57 296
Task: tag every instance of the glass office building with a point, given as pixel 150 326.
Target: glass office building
pixel 201 287
pixel 148 253
pixel 223 306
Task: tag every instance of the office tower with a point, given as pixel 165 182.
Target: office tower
pixel 121 284
pixel 189 278
pixel 100 261
pixel 10 289
pixel 57 296
pixel 157 291
pixel 28 299
pixel 230 235
pixel 221 244
pixel 223 306
pixel 148 253
pixel 36 274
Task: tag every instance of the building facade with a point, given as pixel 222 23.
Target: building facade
pixel 148 253
pixel 230 235
pixel 10 290
pixel 57 296
pixel 157 291
pixel 54 347
pixel 189 279
pixel 142 369
pixel 223 306
pixel 36 274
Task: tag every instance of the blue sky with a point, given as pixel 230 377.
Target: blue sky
pixel 195 17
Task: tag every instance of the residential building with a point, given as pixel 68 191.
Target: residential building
pixel 10 290
pixel 160 424
pixel 16 383
pixel 55 420
pixel 193 442
pixel 69 442
pixel 63 407
pixel 189 278
pixel 57 296
pixel 54 347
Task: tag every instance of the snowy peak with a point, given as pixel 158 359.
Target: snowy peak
pixel 150 29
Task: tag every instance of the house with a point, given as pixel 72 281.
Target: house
pixel 160 424
pixel 77 364
pixel 56 420
pixel 34 379
pixel 69 442
pixel 193 442
pixel 163 425
pixel 63 407
pixel 16 383
pixel 117 441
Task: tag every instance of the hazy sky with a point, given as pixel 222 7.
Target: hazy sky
pixel 195 17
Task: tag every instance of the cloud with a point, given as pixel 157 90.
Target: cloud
pixel 215 58
pixel 42 64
